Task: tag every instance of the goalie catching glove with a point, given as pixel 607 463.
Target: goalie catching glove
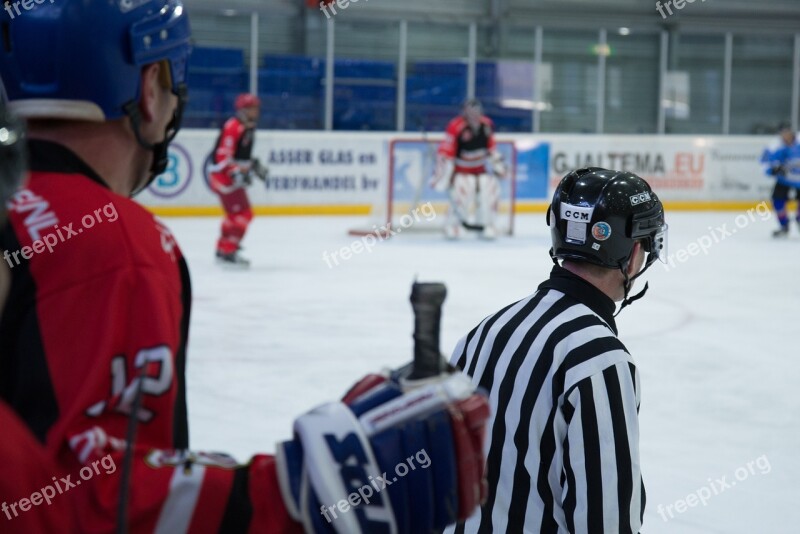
pixel 395 457
pixel 498 165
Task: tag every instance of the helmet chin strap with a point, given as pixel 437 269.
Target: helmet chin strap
pixel 553 257
pixel 628 284
pixel 160 150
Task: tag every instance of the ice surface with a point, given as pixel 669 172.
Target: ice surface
pixel 715 340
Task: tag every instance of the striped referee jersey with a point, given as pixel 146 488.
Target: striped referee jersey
pixel 563 442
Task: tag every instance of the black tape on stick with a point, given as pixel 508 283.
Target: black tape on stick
pixel 427 300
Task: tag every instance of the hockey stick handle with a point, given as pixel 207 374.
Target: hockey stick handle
pixel 427 300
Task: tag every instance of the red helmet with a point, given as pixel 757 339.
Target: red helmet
pixel 246 100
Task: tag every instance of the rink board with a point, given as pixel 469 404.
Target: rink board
pixel 343 173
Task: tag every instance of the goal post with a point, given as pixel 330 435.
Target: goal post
pixel 406 201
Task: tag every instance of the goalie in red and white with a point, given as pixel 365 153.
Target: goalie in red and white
pixel 469 166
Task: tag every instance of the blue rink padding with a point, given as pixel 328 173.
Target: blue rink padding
pixel 533 170
pixel 292 86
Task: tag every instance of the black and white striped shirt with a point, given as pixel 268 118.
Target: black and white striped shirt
pixel 563 442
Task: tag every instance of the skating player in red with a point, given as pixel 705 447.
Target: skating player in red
pixel 468 167
pixel 230 175
pixel 94 332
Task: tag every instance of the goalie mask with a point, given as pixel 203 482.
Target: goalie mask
pixel 472 110
pixel 598 214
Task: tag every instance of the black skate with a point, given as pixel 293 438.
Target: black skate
pixel 781 232
pixel 232 260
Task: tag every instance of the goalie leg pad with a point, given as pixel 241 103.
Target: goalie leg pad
pixel 488 194
pixel 463 198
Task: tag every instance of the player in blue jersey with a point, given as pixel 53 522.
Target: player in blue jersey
pixel 783 163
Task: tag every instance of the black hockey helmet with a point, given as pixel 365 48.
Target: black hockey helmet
pixel 598 214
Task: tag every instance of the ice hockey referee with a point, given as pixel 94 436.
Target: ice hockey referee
pixel 563 444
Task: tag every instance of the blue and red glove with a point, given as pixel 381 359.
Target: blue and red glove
pixel 394 456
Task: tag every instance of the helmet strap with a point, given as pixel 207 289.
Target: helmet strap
pixel 553 256
pixel 160 150
pixel 628 283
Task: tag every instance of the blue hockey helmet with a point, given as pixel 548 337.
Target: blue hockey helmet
pixel 81 60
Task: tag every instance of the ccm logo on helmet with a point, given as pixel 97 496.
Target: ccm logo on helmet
pixel 576 213
pixel 640 198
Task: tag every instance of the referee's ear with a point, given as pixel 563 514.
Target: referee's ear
pixel 637 259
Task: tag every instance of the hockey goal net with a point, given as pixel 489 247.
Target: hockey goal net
pixel 406 202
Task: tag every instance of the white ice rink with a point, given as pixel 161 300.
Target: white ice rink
pixel 716 340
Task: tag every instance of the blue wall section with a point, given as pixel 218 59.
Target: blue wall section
pixel 365 92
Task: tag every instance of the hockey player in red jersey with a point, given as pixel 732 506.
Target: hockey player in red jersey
pixel 27 481
pixel 230 174
pixel 95 329
pixel 468 167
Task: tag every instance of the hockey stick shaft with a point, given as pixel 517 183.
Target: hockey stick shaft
pixel 427 300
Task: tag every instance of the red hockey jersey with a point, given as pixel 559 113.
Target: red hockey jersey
pixel 30 500
pixel 468 147
pixel 97 318
pixel 233 149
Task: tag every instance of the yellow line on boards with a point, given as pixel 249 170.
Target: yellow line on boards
pixel 669 205
pixel 216 211
pixel 364 209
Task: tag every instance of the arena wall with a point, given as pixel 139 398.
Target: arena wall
pixel 345 173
